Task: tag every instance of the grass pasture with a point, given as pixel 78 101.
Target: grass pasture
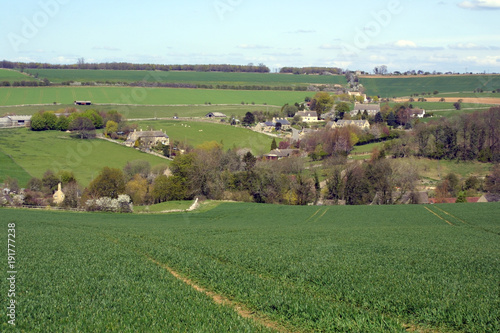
pixel 36 152
pixel 146 111
pixel 208 78
pixel 9 168
pixel 145 96
pixel 12 75
pixel 329 269
pixel 407 85
pixel 196 133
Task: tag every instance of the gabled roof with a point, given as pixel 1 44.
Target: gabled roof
pixel 373 107
pixel 360 123
pixel 17 118
pixel 269 123
pixel 147 134
pixel 216 114
pixel 283 121
pixel 281 152
pixel 307 113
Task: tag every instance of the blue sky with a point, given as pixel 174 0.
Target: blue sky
pixel 449 35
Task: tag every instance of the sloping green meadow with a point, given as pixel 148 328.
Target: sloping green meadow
pixel 9 168
pixel 36 152
pixel 145 96
pixel 12 75
pixel 321 269
pixel 406 86
pixel 196 133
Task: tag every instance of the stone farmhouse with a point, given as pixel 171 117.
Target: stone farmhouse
pixel 371 109
pixel 15 121
pixel 267 126
pixel 285 124
pixel 308 116
pixel 363 124
pixel 147 138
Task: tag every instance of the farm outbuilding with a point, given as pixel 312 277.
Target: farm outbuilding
pixel 215 115
pixel 15 121
pixel 83 103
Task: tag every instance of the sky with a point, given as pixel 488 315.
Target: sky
pixel 428 35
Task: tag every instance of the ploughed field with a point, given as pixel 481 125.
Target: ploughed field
pixel 297 269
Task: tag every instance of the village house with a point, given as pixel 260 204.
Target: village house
pixel 278 154
pixel 363 124
pixel 357 94
pixel 147 138
pixel 285 124
pixel 371 109
pixel 15 121
pixel 267 126
pixel 417 113
pixel 308 116
pixel 215 115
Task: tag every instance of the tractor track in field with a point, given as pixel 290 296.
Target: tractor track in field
pixel 241 309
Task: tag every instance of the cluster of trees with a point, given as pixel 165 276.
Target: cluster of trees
pixel 83 123
pixel 43 83
pixel 310 70
pixel 473 136
pixel 81 64
pixel 372 182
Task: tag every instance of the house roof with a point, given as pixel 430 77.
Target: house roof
pixel 269 123
pixel 359 123
pixel 216 114
pixel 372 107
pixel 283 121
pixel 17 118
pixel 147 134
pixel 489 197
pixel 307 113
pixel 281 152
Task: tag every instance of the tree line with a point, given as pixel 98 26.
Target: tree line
pixel 260 68
pixel 310 70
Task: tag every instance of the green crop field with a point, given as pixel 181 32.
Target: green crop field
pixel 430 268
pixel 406 86
pixel 9 168
pixel 11 76
pixel 195 133
pixel 145 96
pixel 208 78
pixel 146 111
pixel 36 152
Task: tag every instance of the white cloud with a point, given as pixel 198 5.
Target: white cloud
pixel 252 47
pixel 467 46
pixel 484 61
pixel 480 4
pixel 330 47
pixel 405 44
